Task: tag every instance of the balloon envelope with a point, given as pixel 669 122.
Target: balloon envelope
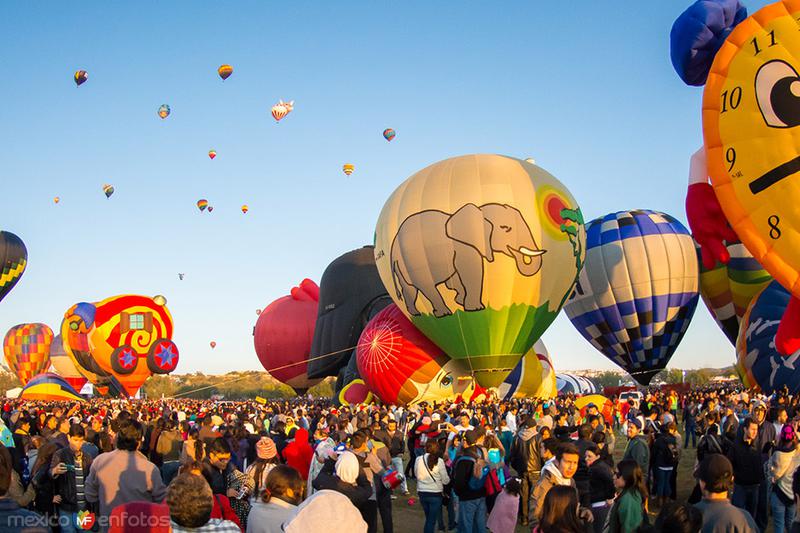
pixel 27 350
pixel 533 377
pixel 225 71
pixel 638 290
pixel 13 260
pixel 49 387
pixel 80 77
pixel 108 190
pixel 389 134
pixel 202 204
pixel 727 290
pixel 64 366
pixel 348 168
pixel 164 111
pixel 284 333
pixel 481 251
pixel 570 383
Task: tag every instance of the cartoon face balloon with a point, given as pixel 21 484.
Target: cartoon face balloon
pixel 751 125
pixel 533 377
pixel 480 252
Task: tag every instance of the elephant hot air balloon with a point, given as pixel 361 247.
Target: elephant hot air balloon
pixel 757 361
pixel 284 333
pixel 27 350
pixel 64 366
pixel 348 168
pixel 481 251
pixel 401 366
pixel 727 290
pixel 389 134
pixel 13 260
pixel 164 111
pixel 533 377
pixel 225 71
pixel 638 290
pixel 80 77
pixel 108 190
pixel 202 204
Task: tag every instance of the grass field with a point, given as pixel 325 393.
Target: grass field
pixel 410 518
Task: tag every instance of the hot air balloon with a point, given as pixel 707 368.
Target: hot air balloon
pixel 64 366
pixel 245 209
pixel 56 199
pixel 27 350
pixel 281 109
pixel 283 335
pixel 258 312
pixel 355 393
pixel 212 154
pixel 50 387
pixel 180 275
pixel 348 168
pixel 125 337
pixel 401 366
pixel 727 289
pixel 210 208
pixel 80 77
pixel 225 71
pixel 757 361
pixel 108 190
pixel 202 204
pixel 389 134
pixel 163 111
pixel 213 344
pixel 13 260
pixel 481 251
pixel 570 383
pixel 533 377
pixel 638 290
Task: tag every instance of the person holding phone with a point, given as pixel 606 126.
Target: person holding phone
pixel 69 468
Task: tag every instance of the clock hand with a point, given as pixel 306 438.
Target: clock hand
pixel 775 175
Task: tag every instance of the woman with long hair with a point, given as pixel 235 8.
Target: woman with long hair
pixel 282 494
pixel 193 449
pixel 267 459
pixel 560 511
pixel 782 466
pixel 629 508
pixel 431 474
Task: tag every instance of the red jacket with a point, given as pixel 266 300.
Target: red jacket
pixel 222 509
pixel 298 453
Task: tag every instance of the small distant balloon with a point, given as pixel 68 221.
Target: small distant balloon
pixel 348 168
pixel 180 275
pixel 213 344
pixel 80 77
pixel 56 199
pixel 258 311
pixel 108 190
pixel 389 134
pixel 163 111
pixel 212 154
pixel 225 71
pixel 210 208
pixel 281 109
pixel 202 204
pixel 245 209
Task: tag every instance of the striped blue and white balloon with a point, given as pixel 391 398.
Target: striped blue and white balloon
pixel 638 289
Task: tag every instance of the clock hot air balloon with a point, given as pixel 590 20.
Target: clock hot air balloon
pixel 64 366
pixel 389 134
pixel 638 290
pixel 348 168
pixel 758 363
pixel 202 204
pixel 284 333
pixel 80 77
pixel 727 289
pixel 164 111
pixel 480 252
pixel 225 71
pixel 27 350
pixel 533 377
pixel 108 190
pixel 212 154
pixel 13 260
pixel 401 366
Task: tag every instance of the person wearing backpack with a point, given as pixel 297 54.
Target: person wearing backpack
pixel 469 479
pixel 666 455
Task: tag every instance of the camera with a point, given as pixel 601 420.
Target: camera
pixel 443 426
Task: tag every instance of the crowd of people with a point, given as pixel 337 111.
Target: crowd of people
pixel 297 465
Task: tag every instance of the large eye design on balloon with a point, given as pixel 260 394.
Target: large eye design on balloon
pixel 446 381
pixel 778 94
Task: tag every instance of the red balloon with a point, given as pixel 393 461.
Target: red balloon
pixel 283 335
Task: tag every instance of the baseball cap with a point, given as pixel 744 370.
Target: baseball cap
pixel 715 471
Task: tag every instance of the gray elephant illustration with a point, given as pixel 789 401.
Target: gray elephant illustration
pixel 433 247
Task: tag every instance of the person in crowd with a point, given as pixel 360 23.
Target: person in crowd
pixel 124 475
pixel 346 476
pixel 782 465
pixel 393 439
pixel 69 468
pixel 13 518
pixel 560 471
pixel 46 498
pixel 526 459
pixel 637 448
pixel 207 433
pixel 666 456
pixel 298 452
pixel 676 518
pixel 469 477
pixel 266 460
pixel 601 487
pixel 719 514
pixel 431 474
pixel 629 508
pixel 169 446
pixel 503 517
pixel 748 470
pixel 560 511
pixel 282 493
pixel 764 443
pixel 328 511
pixel 193 447
pixel 222 505
pixel 190 501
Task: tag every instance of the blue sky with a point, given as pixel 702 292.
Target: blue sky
pixel 589 93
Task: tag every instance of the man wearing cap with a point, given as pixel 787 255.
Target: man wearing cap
pixel 715 475
pixel 637 448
